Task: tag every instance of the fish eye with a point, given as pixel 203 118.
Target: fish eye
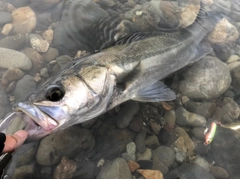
pixel 55 93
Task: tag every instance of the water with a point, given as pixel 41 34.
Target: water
pixel 169 136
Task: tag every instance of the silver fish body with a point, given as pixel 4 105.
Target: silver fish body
pixel 97 83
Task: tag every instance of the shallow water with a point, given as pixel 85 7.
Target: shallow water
pixel 135 139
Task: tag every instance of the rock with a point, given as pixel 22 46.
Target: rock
pixel 230 107
pixel 7 29
pixel 151 174
pixel 202 163
pixel 43 5
pixel 140 141
pixel 232 66
pixel 219 172
pixel 205 109
pixel 224 32
pixel 145 164
pixel 65 169
pixel 23 172
pixel 4 104
pixel 56 145
pixel 166 106
pixel 147 155
pixel 198 132
pixel 155 127
pixel 126 113
pixel 61 63
pixel 180 156
pixel 152 142
pixel 11 74
pixel 48 35
pixel 131 148
pixel 137 123
pixel 165 154
pixel 85 168
pixel 180 143
pixel 187 170
pixel 207 79
pixel 170 117
pixel 44 73
pixel 188 119
pixel 38 43
pixel 24 88
pixel 36 58
pixel 221 116
pixel 44 20
pixel 233 58
pixel 128 156
pixel 5 18
pixel 118 168
pixel 158 165
pixel 236 77
pixel 15 42
pixel 50 55
pixel 133 166
pixel 11 58
pixel 188 143
pixel 23 20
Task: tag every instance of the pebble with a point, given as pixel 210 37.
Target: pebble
pixel 44 73
pixel 219 172
pixel 126 113
pixel 11 75
pixel 86 168
pixel 202 163
pixel 5 18
pixel 131 148
pixel 36 58
pixel 38 43
pixel 48 35
pixel 230 107
pixel 128 156
pixel 23 20
pixel 133 166
pixel 65 169
pixel 23 172
pixel 118 168
pixel 165 154
pixel 224 32
pixel 152 142
pixel 205 109
pixel 140 141
pixel 56 145
pixel 187 170
pixel 170 117
pixel 232 66
pixel 6 29
pixel 155 127
pixel 24 87
pixel 151 174
pixel 166 106
pixel 137 123
pixel 4 104
pixel 145 164
pixel 147 155
pixel 50 55
pixel 233 58
pixel 188 143
pixel 198 132
pixel 221 116
pixel 15 42
pixel 180 156
pixel 188 119
pixel 158 165
pixel 206 79
pixel 11 58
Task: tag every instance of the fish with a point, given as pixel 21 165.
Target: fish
pixel 130 69
pixel 210 134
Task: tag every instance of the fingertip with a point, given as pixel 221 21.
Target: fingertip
pixel 22 134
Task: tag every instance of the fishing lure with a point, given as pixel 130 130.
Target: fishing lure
pixel 209 134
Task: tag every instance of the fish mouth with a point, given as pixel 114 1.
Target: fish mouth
pixel 41 118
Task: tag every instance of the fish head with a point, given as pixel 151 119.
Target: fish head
pixel 73 97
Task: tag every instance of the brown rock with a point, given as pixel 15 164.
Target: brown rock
pixel 11 74
pixel 48 35
pixel 6 29
pixel 166 106
pixel 65 169
pixel 38 43
pixel 23 20
pixel 224 32
pixel 151 174
pixel 219 172
pixel 189 14
pixel 133 166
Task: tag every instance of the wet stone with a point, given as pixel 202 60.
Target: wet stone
pixel 155 127
pixel 205 109
pixel 24 87
pixel 152 142
pixel 145 164
pixel 23 172
pixel 158 165
pixel 6 29
pixel 165 154
pixel 232 66
pixel 14 42
pixel 233 58
pixel 48 35
pixel 128 156
pixel 201 162
pixel 4 104
pixel 137 123
pixel 170 117
pixel 50 55
pixel 207 79
pixel 147 155
pixel 198 132
pixel 85 169
pixel 151 174
pixel 219 172
pixel 5 18
pixel 133 166
pixel 131 148
pixel 126 113
pixel 221 116
pixel 38 43
pixel 65 169
pixel 187 170
pixel 23 20
pixel 230 107
pixel 44 73
pixel 11 58
pixel 118 168
pixel 180 156
pixel 188 119
pixel 140 141
pixel 11 74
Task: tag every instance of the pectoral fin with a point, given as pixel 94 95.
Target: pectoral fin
pixel 156 92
